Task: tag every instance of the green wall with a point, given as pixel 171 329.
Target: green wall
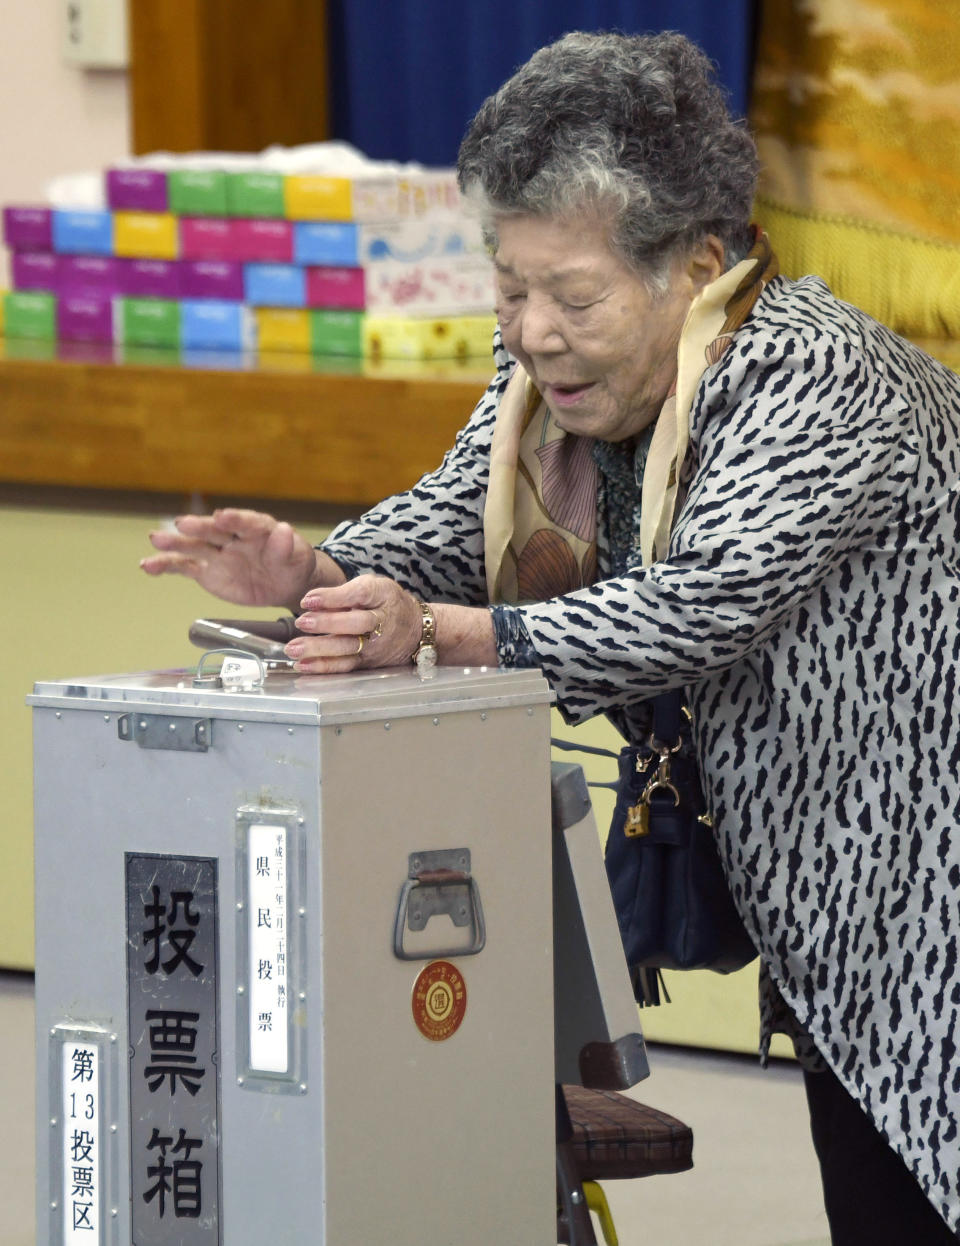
pixel 76 603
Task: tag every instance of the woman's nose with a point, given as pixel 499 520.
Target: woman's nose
pixel 539 333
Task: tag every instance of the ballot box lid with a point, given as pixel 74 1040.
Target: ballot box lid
pixel 286 696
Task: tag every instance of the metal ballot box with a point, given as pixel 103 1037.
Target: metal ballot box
pixel 294 960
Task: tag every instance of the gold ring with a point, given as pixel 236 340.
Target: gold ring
pixel 378 630
pixel 361 641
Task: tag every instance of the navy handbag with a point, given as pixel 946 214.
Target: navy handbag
pixel 672 901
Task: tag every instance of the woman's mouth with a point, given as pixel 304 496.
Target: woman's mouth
pixel 566 395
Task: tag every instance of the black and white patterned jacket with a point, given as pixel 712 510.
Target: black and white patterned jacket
pixel 810 604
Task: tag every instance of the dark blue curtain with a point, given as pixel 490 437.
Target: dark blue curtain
pixel 407 75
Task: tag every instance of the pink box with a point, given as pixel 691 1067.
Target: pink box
pixel 91 274
pixel 262 239
pixel 212 279
pixel 239 239
pixel 208 238
pixel 35 270
pixel 335 287
pixel 28 229
pixel 137 190
pixel 151 279
pixel 85 318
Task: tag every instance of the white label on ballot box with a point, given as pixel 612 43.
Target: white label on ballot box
pixel 82 1163
pixel 268 913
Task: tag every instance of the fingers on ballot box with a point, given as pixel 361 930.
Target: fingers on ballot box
pixel 294 960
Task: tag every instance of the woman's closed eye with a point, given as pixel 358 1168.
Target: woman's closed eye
pixel 580 300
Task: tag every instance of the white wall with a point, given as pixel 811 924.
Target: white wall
pixel 57 118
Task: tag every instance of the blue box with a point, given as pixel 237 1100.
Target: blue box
pixel 215 324
pixel 82 231
pixel 215 360
pixel 325 242
pixel 275 285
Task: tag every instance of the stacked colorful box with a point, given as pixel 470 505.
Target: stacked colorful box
pixel 380 264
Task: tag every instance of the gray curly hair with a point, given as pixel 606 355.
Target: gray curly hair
pixel 635 127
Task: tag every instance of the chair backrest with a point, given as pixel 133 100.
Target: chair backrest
pixel 598 1041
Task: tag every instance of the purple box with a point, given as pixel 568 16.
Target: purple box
pixel 86 352
pixel 137 190
pixel 151 279
pixel 212 279
pixel 91 274
pixel 28 229
pixel 85 318
pixel 264 239
pixel 35 270
pixel 208 238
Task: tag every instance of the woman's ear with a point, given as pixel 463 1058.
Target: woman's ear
pixel 706 263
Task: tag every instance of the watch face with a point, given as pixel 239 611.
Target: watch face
pixel 426 661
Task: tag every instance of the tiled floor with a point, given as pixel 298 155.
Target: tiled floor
pixel 755 1180
pixel 754 1183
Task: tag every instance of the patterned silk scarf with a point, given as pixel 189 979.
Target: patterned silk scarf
pixel 540 517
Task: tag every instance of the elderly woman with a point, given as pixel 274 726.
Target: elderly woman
pixel 691 472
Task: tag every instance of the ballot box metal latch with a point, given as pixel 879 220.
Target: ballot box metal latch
pixel 184 735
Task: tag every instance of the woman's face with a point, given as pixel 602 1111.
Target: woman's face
pixel 599 347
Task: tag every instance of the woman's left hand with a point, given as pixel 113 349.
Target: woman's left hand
pixel 368 622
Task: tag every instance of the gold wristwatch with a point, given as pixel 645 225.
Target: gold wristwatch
pixel 425 657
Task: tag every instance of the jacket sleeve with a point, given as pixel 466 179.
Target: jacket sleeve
pixel 804 452
pixel 430 538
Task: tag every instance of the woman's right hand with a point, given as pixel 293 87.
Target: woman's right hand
pixel 242 556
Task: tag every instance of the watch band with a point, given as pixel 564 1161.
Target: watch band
pixel 425 656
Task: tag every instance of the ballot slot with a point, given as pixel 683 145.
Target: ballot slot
pixel 271 988
pixel 218 634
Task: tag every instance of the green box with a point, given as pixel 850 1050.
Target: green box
pixel 149 356
pixel 336 333
pixel 254 194
pixel 197 192
pixel 32 348
pixel 30 314
pixel 150 322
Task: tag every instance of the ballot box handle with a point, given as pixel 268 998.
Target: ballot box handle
pixel 438 883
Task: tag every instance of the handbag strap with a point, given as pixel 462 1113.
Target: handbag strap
pixel 667 716
pixel 667 721
pixel 569 746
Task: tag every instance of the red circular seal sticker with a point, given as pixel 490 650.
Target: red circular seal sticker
pixel 439 1000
